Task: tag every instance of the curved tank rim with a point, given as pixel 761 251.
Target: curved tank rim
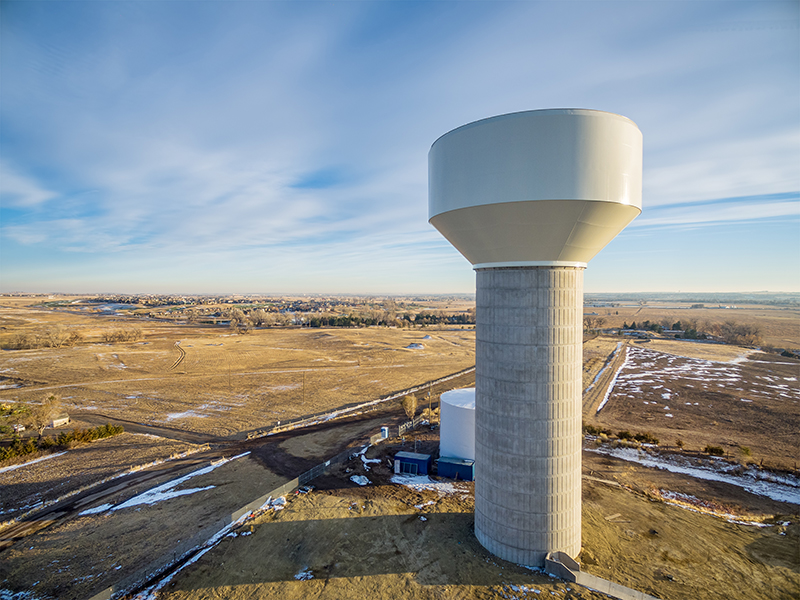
pixel 460 398
pixel 537 111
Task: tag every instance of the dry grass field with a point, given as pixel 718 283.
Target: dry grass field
pixel 77 558
pixel 213 381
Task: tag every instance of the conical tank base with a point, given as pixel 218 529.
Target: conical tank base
pixel 528 412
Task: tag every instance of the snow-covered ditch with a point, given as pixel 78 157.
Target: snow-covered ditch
pixel 165 491
pixel 605 366
pixel 613 381
pixel 695 504
pixel 782 488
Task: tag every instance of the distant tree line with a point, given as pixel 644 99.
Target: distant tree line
pixel 389 320
pixel 127 334
pixel 60 336
pixel 57 336
pixel 729 332
pixel 242 321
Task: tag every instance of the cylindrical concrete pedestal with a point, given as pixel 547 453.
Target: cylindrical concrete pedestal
pixel 528 411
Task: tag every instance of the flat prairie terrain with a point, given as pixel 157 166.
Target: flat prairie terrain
pixel 744 401
pixel 209 380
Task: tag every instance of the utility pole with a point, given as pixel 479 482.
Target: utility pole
pixel 430 408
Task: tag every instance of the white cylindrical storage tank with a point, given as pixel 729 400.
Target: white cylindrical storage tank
pixel 529 198
pixel 457 427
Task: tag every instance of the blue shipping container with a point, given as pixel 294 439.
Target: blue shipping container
pixel 411 463
pixel 457 468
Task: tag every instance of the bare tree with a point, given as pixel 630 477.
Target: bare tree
pixel 56 336
pixel 39 416
pixel 591 323
pixel 742 334
pixel 409 404
pixel 259 317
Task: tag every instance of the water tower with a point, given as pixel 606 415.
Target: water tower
pixel 529 198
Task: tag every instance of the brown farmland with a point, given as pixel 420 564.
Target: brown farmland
pixel 211 381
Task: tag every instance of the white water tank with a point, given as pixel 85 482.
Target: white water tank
pixel 529 199
pixel 457 415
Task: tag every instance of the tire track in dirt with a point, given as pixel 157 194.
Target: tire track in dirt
pixel 180 358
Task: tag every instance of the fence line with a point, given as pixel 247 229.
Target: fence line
pixel 410 424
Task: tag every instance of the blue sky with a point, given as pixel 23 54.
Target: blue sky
pixel 279 147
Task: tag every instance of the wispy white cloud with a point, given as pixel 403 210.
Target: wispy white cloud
pixel 746 209
pixel 19 191
pixel 296 134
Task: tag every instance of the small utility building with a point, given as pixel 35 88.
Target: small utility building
pixel 59 420
pixel 411 463
pixel 456 468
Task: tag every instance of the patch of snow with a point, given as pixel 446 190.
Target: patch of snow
pixel 415 347
pixel 368 461
pixel 423 482
pixel 185 415
pixel 753 480
pixel 9 595
pixel 96 510
pixel 360 480
pixel 278 503
pixel 668 415
pixel 304 575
